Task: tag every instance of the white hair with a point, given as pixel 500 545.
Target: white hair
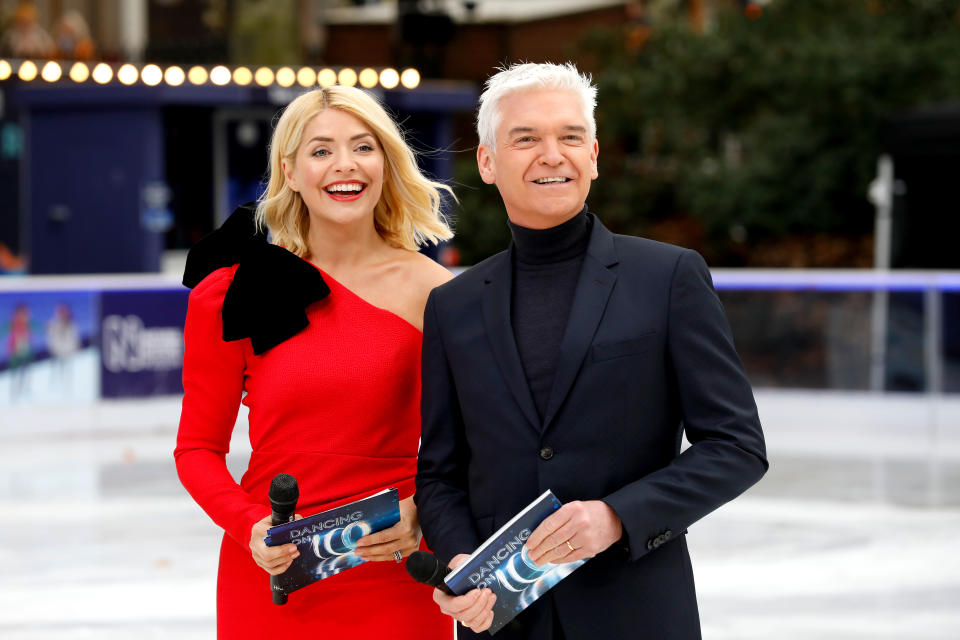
pixel 530 76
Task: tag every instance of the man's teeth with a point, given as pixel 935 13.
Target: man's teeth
pixel 549 180
pixel 354 186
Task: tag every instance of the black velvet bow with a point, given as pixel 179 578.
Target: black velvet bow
pixel 271 289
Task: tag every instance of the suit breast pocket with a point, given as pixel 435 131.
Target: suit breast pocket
pixel 622 348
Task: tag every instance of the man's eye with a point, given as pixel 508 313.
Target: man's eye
pixel 525 139
pixel 573 138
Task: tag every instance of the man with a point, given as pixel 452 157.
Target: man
pixel 575 361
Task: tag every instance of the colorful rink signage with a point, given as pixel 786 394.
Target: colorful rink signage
pixel 141 342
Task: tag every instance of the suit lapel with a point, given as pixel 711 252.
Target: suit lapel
pixel 496 318
pixel 594 287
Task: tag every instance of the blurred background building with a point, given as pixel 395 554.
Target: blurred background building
pixel 807 149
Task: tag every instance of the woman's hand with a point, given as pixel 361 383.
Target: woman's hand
pixel 403 537
pixel 273 560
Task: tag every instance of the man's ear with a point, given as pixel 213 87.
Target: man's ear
pixel 486 165
pixel 593 160
pixel 288 175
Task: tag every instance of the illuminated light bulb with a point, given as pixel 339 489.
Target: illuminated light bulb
pixel 369 78
pixel 102 73
pixel 197 75
pixel 27 71
pixel 389 78
pixel 347 77
pixel 286 77
pixel 79 72
pixel 152 75
pixel 242 76
pixel 5 70
pixel 410 78
pixel 51 72
pixel 327 77
pixel 127 74
pixel 263 77
pixel 174 76
pixel 306 77
pixel 220 75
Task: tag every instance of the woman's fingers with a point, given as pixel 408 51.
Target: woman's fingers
pixel 403 537
pixel 273 560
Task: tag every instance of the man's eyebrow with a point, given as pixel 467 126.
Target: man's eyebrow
pixel 570 127
pixel 517 130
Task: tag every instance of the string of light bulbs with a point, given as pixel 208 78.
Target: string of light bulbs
pixel 104 73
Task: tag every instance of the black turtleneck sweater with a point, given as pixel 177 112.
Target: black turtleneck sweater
pixel 546 265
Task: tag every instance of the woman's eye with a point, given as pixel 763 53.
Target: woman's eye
pixel 321 153
pixel 365 147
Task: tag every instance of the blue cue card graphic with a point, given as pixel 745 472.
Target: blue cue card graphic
pixel 327 540
pixel 503 564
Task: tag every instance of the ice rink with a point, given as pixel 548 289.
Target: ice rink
pixel 853 534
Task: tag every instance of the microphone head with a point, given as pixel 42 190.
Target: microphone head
pixel 284 489
pixel 423 567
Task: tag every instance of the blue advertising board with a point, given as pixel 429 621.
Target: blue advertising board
pixel 141 342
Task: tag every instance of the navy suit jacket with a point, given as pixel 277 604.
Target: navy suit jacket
pixel 647 355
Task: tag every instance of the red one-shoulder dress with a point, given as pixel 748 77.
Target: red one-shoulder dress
pixel 338 406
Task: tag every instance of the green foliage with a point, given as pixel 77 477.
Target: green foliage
pixel 764 129
pixel 768 126
pixel 479 220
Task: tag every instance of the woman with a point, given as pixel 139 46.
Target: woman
pixel 321 330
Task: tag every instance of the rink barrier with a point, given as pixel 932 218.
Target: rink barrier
pixel 134 323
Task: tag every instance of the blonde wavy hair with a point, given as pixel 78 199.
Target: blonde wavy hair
pixel 408 214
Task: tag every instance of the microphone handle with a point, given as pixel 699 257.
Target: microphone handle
pixel 279 517
pixel 439 572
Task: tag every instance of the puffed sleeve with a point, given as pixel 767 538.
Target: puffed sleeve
pixel 213 371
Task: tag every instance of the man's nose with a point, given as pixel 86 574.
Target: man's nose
pixel 551 155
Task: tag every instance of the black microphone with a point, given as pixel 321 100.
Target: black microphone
pixel 426 568
pixel 284 493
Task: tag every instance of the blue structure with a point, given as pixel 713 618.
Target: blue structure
pixel 112 175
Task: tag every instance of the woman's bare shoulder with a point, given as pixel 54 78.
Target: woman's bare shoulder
pixel 425 272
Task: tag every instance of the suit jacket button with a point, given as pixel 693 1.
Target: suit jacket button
pixel 667 534
pixel 650 544
pixel 546 453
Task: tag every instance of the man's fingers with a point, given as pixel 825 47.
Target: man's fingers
pixel 480 616
pixel 483 623
pixel 547 527
pixel 456 605
pixel 553 544
pixel 469 607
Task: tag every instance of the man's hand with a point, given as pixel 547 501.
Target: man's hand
pixel 576 531
pixel 474 609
